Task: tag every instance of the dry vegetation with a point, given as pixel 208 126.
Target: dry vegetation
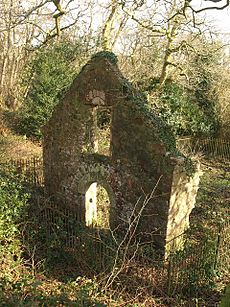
pixel 17 147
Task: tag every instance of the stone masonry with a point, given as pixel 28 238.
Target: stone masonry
pixel 103 133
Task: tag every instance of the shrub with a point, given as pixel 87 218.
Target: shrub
pixel 13 202
pixel 184 116
pixel 49 74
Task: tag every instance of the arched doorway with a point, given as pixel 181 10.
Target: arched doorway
pixel 97 206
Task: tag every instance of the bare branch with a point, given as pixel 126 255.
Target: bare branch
pixel 27 14
pixel 145 26
pixel 212 7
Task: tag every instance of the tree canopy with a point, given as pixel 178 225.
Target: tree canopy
pixel 158 43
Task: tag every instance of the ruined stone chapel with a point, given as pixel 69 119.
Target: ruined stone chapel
pixel 103 139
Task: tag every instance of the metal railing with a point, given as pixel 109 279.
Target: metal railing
pixel 210 147
pixel 30 169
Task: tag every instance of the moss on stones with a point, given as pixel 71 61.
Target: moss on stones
pixel 107 55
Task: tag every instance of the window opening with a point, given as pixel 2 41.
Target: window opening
pixel 102 124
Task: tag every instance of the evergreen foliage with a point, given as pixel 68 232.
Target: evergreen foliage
pixel 13 200
pixel 108 55
pixel 203 84
pixel 51 72
pixel 185 116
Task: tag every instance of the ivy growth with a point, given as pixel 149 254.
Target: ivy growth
pixel 161 128
pixel 106 54
pixel 14 201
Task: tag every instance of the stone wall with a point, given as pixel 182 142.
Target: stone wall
pixel 136 169
pixel 182 201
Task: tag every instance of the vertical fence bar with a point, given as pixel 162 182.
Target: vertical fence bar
pixel 217 247
pixel 210 147
pixel 32 169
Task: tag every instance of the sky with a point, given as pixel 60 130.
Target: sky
pixel 220 18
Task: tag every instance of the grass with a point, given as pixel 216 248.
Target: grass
pixel 225 302
pixel 213 197
pixel 212 210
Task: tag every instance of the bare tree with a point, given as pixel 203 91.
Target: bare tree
pixel 13 52
pixel 223 4
pixel 29 25
pixel 113 24
pixel 171 22
pixel 26 27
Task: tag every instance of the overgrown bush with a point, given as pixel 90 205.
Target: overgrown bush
pixel 184 116
pixel 19 285
pixel 13 202
pixel 49 75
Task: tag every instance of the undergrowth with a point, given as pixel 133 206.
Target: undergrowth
pixel 37 269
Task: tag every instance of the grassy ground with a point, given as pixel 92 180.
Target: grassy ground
pixel 213 198
pixel 212 212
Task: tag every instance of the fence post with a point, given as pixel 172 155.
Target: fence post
pixel 169 275
pixel 217 247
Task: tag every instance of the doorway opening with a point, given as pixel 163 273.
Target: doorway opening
pixel 97 206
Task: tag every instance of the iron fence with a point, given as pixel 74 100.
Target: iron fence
pixel 189 271
pixel 200 264
pixel 31 169
pixel 61 226
pixel 193 268
pixel 210 147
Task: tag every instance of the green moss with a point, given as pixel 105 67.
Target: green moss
pixel 190 167
pixel 225 302
pixel 106 54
